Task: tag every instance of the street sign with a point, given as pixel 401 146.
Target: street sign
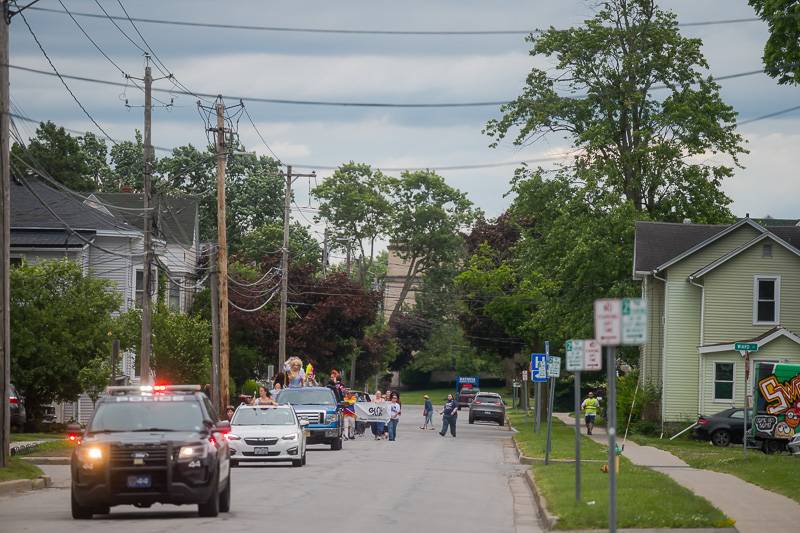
pixel 745 347
pixel 634 321
pixel 592 355
pixel 574 351
pixel 524 375
pixel 608 321
pixel 553 366
pixel 539 367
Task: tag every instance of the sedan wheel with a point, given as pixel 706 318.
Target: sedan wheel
pixel 721 437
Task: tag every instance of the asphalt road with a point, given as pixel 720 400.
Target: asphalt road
pixel 421 482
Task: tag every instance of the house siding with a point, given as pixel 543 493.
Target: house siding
pixel 729 294
pixel 681 367
pixel 112 267
pixel 781 349
pixel 651 356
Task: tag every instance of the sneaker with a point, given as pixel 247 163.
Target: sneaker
pixel 442 434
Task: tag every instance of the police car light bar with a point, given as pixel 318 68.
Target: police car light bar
pixel 112 389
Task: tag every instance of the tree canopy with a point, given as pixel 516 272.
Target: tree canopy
pixel 782 49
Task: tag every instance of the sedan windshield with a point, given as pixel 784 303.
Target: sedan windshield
pixel 148 415
pixel 306 397
pixel 263 417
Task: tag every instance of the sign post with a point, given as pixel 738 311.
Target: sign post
pixel 616 322
pixel 553 371
pixel 745 348
pixel 575 356
pixel 539 375
pixel 524 399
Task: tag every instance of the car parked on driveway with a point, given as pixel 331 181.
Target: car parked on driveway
pixel 794 445
pixel 722 428
pixel 487 406
pixel 267 433
pixel 18 415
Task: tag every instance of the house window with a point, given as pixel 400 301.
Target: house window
pixel 723 381
pixel 766 299
pixel 175 294
pixel 766 251
pixel 140 287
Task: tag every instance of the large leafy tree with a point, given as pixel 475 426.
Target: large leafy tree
pixel 428 216
pixel 782 50
pixel 355 203
pixel 60 320
pixel 630 94
pixel 267 239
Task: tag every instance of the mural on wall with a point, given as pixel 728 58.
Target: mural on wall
pixel 777 400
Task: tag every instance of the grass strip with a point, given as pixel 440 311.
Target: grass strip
pixel 27 437
pixel 52 448
pixel 439 395
pixel 562 439
pixel 777 472
pixel 19 469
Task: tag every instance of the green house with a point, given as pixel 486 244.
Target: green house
pixel 709 287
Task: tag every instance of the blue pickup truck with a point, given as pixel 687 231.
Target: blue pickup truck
pixel 318 406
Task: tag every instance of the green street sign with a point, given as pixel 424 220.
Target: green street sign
pixel 746 347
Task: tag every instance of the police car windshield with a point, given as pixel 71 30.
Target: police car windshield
pixel 263 417
pixel 145 414
pixel 306 397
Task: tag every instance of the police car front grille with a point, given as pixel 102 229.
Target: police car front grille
pixel 134 455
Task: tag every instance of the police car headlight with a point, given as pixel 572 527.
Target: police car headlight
pixel 330 418
pixel 293 436
pixel 92 453
pixel 197 451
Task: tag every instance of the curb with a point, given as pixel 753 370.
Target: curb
pixel 22 485
pixel 524 459
pixel 47 460
pixel 548 520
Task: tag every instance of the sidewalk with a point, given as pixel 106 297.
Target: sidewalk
pixel 754 509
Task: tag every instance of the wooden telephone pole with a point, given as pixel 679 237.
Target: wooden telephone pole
pixel 5 242
pixel 147 282
pixel 222 260
pixel 287 217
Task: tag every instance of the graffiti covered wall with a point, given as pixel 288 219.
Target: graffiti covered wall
pixel 777 400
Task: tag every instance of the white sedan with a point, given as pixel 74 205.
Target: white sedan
pixel 266 433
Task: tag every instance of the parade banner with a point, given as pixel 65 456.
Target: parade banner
pixel 372 411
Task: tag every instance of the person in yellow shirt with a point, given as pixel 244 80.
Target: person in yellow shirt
pixel 589 407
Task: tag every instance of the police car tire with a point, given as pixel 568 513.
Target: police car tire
pixel 225 498
pixel 471 420
pixel 211 507
pixel 79 512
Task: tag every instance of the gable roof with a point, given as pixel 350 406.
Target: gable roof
pixel 29 210
pixel 177 214
pixel 656 243
pixel 765 338
pixel 733 253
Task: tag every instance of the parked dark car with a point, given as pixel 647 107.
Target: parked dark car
pixel 722 428
pixel 17 404
pixel 466 395
pixel 487 406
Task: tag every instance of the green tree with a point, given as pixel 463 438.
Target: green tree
pixel 631 96
pixel 127 158
pixel 60 155
pixel 782 50
pixel 267 239
pixel 95 152
pixel 181 344
pixel 60 320
pixel 355 203
pixel 95 376
pixel 427 218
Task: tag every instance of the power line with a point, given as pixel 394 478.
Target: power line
pixel 342 31
pixel 328 103
pixel 252 122
pixel 60 77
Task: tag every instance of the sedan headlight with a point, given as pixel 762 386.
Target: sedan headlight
pixel 331 418
pixel 293 436
pixel 196 451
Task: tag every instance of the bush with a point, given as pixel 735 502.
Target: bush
pixel 632 403
pixel 415 379
pixel 250 387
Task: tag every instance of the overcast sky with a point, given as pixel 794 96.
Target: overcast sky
pixel 378 69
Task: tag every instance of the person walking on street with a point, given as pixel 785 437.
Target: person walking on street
pixel 377 427
pixel 349 415
pixel 589 407
pixel 449 414
pixel 427 412
pixel 394 417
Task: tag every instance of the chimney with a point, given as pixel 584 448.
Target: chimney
pixel 687 220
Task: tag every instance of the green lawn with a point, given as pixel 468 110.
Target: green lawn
pixel 52 448
pixel 23 437
pixel 19 469
pixel 439 396
pixel 664 503
pixel 777 472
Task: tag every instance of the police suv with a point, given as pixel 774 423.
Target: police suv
pixel 149 444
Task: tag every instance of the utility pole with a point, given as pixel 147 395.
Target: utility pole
pixel 222 258
pixel 147 293
pixel 287 217
pixel 325 252
pixel 216 397
pixel 5 243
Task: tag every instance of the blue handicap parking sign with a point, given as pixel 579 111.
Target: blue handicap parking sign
pixel 539 367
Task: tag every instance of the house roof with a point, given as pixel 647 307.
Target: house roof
pixel 29 210
pixel 733 253
pixel 658 242
pixel 56 239
pixel 765 338
pixel 177 214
